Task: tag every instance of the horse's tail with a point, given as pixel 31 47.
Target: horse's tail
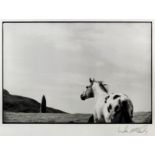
pixel 127 110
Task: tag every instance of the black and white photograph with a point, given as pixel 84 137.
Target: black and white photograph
pixel 77 72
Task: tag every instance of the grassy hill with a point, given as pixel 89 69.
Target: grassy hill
pixel 14 103
pixel 52 118
pixel 142 117
pixel 19 109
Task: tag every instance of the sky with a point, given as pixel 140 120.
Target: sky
pixel 57 60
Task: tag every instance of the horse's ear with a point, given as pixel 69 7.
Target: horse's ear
pixel 91 80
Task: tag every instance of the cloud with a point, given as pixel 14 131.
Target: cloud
pixel 58 59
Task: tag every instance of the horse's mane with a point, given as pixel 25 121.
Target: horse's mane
pixel 102 86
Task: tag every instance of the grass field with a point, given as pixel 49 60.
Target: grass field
pixel 12 117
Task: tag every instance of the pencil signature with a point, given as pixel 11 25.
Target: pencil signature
pixel 143 129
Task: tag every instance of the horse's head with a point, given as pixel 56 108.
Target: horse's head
pixel 89 93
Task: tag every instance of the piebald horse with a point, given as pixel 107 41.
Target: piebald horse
pixel 109 107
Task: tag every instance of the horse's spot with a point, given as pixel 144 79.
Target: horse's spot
pixel 109 107
pixel 116 108
pixel 106 98
pixel 116 96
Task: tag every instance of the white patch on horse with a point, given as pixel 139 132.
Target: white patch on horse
pixel 99 96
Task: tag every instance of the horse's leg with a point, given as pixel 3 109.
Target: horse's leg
pixel 91 119
pixel 95 117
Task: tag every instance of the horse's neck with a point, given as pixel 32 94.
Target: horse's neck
pixel 99 94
